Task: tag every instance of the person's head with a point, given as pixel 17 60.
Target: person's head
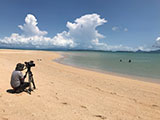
pixel 19 67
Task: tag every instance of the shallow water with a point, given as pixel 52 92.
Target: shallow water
pixel 142 64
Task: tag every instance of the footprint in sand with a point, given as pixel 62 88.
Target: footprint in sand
pixel 138 117
pixel 39 59
pixel 113 93
pixel 38 96
pixel 155 105
pixel 57 98
pixel 4 118
pixel 100 116
pixel 134 100
pixel 65 103
pixel 52 83
pixel 99 89
pixel 83 107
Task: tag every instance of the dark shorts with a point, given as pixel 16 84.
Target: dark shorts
pixel 22 86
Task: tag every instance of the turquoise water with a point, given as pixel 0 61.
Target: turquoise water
pixel 142 64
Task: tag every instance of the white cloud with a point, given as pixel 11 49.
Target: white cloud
pixel 106 47
pixel 20 41
pixel 30 27
pixel 157 43
pixel 33 37
pixel 81 34
pixel 115 28
pixel 83 31
pixel 158 39
pixel 63 40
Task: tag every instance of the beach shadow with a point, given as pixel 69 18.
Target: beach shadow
pixel 23 89
pixel 12 91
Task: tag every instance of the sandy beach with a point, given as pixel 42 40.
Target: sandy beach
pixel 68 93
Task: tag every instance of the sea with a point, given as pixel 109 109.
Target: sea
pixel 145 66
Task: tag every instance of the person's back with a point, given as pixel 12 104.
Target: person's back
pixel 16 78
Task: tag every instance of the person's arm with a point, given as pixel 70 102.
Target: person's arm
pixel 25 75
pixel 21 77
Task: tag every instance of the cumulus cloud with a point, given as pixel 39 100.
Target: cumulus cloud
pixel 30 27
pixel 81 34
pixel 33 37
pixel 20 41
pixel 157 43
pixel 83 31
pixel 158 39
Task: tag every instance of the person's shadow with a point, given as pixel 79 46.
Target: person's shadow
pixel 23 89
pixel 12 91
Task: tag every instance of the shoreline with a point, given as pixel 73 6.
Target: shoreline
pixel 69 93
pixel 133 77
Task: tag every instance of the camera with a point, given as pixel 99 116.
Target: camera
pixel 29 64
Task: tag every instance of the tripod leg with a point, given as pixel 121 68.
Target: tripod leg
pixel 30 80
pixel 33 83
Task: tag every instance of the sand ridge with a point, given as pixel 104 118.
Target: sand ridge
pixel 69 93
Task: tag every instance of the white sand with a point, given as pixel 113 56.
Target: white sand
pixel 68 93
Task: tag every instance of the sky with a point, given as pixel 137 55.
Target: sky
pixel 80 24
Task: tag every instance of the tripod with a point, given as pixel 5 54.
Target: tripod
pixel 30 79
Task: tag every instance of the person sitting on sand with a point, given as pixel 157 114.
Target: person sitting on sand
pixel 17 79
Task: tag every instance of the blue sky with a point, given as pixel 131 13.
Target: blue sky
pixel 128 23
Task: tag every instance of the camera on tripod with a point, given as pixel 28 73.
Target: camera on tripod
pixel 28 66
